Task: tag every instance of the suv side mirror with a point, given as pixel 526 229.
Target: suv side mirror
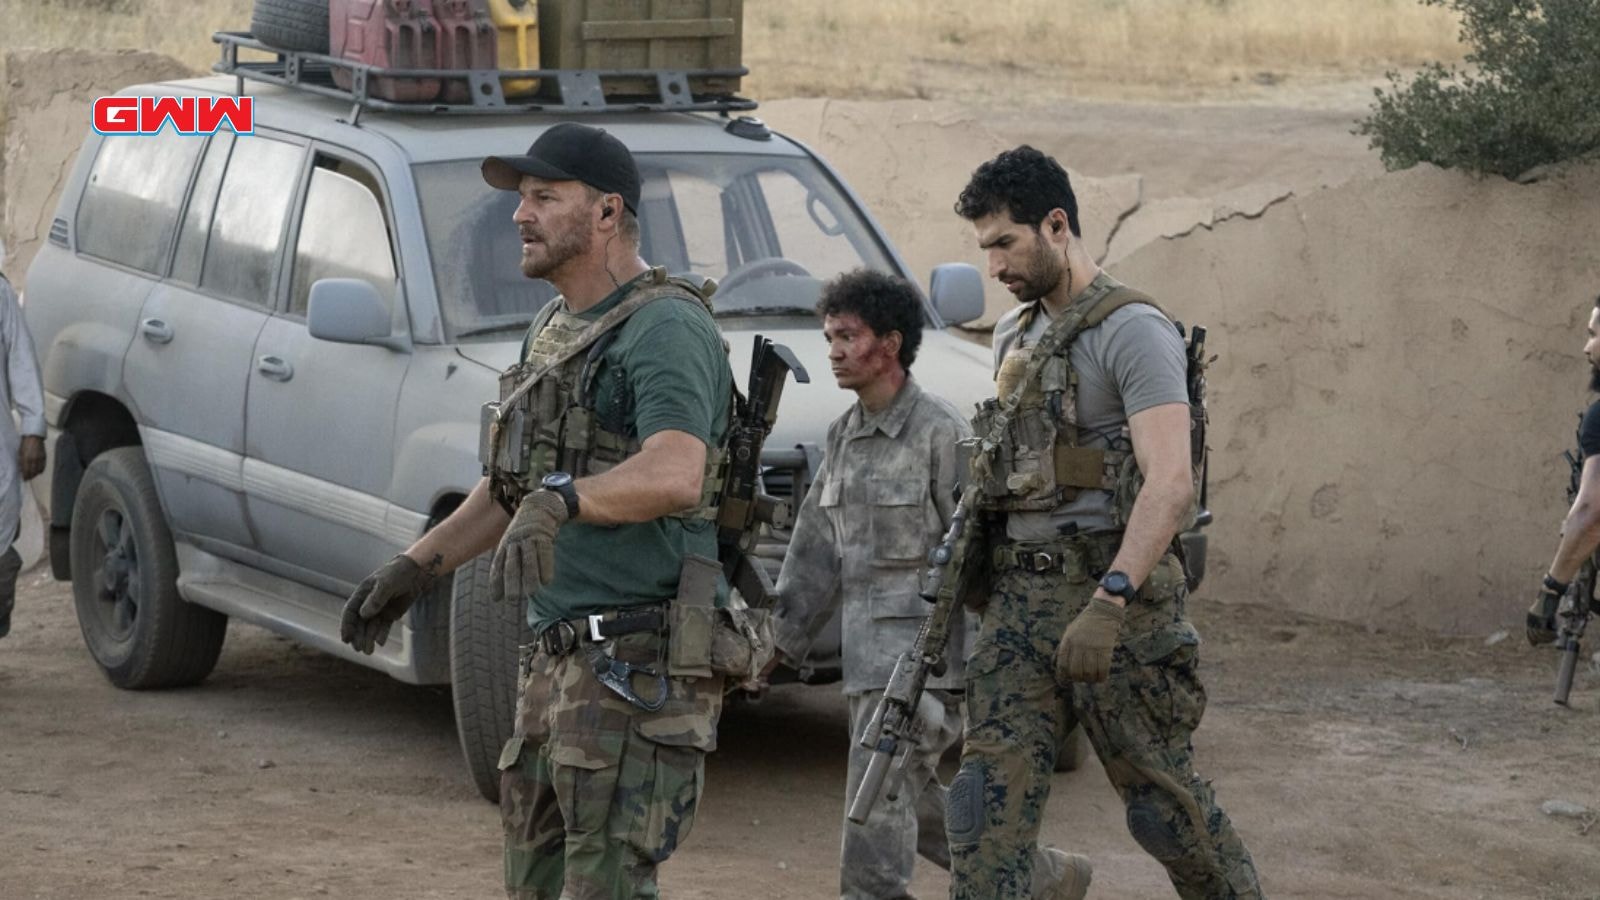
pixel 351 311
pixel 957 292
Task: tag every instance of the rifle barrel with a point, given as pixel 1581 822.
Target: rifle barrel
pixel 1569 667
pixel 871 783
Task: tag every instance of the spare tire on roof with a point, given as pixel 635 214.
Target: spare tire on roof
pixel 291 24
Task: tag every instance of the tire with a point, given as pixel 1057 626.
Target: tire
pixel 1070 753
pixel 485 634
pixel 291 24
pixel 140 632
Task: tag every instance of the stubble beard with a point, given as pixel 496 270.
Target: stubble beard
pixel 562 243
pixel 1043 275
pixel 1594 377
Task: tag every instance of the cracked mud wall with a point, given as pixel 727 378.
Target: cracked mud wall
pixel 45 99
pixel 1399 370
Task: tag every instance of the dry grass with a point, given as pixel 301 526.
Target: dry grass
pixel 923 48
pixel 844 48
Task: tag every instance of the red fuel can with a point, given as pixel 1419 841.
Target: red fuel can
pixel 392 34
pixel 467 40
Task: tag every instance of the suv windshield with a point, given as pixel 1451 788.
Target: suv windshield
pixel 770 229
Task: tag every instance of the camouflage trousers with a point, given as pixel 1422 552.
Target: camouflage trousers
pixel 594 792
pixel 877 856
pixel 1139 722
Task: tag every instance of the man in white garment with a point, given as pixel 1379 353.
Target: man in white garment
pixel 21 445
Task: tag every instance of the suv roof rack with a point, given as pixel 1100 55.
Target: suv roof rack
pixel 575 90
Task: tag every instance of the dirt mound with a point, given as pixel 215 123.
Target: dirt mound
pixel 45 98
pixel 1399 372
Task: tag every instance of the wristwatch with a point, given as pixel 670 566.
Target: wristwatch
pixel 1117 584
pixel 562 485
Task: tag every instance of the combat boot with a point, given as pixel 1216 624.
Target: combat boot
pixel 1058 875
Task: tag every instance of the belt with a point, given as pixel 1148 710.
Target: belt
pixel 564 636
pixel 1075 556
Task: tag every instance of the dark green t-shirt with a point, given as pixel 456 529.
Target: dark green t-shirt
pixel 665 371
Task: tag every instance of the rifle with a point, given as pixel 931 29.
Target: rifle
pixel 1577 605
pixel 895 720
pixel 744 505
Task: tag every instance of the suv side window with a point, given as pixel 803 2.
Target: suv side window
pixel 343 233
pixel 202 204
pixel 129 208
pixel 242 253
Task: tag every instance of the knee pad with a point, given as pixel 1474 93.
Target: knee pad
pixel 1155 831
pixel 964 816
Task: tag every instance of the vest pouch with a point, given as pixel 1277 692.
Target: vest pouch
pixel 1125 491
pixel 744 641
pixel 692 618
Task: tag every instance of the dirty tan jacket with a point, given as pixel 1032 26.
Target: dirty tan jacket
pixel 880 501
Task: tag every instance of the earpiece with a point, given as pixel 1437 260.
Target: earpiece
pixel 607 212
pixel 1056 227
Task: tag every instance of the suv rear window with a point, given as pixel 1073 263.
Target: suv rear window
pixel 247 230
pixel 129 209
pixel 772 228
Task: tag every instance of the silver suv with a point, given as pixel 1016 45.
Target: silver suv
pixel 226 447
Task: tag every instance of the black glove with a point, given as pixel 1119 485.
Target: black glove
pixel 380 600
pixel 526 558
pixel 1542 614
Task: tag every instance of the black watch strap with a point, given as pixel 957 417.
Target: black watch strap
pixel 1551 584
pixel 1120 584
pixel 563 486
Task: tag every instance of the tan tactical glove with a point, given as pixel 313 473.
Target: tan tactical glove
pixel 380 600
pixel 1084 653
pixel 526 558
pixel 1541 621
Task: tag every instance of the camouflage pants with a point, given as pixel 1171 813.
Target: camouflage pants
pixel 1139 722
pixel 877 856
pixel 612 790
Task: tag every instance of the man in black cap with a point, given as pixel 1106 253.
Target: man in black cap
pixel 600 493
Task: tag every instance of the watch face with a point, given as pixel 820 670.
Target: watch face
pixel 557 480
pixel 1116 583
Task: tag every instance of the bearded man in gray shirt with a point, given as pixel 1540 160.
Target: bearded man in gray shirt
pixel 1083 499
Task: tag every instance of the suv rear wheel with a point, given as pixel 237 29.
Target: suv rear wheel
pixel 485 633
pixel 125 582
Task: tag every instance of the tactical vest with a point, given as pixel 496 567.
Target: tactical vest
pixel 545 419
pixel 1032 424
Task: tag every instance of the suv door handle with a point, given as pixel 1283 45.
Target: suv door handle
pixel 275 367
pixel 156 331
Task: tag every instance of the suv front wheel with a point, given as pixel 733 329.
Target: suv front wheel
pixel 485 634
pixel 125 582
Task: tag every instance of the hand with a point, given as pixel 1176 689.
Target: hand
pixel 380 600
pixel 1084 653
pixel 526 558
pixel 1542 614
pixel 30 457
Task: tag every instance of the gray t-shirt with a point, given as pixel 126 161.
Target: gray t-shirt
pixel 1132 361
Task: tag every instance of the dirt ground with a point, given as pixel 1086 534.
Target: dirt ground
pixel 1355 765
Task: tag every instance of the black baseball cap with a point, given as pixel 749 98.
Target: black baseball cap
pixel 571 152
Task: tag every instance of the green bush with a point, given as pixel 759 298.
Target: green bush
pixel 1529 94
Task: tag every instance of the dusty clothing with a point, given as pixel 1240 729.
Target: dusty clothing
pixel 1139 722
pixel 876 857
pixel 665 370
pixel 592 811
pixel 20 389
pixel 879 502
pixel 1130 362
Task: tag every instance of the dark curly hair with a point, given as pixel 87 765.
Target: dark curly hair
pixel 884 302
pixel 1023 182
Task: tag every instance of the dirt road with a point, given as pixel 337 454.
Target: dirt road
pixel 1356 765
